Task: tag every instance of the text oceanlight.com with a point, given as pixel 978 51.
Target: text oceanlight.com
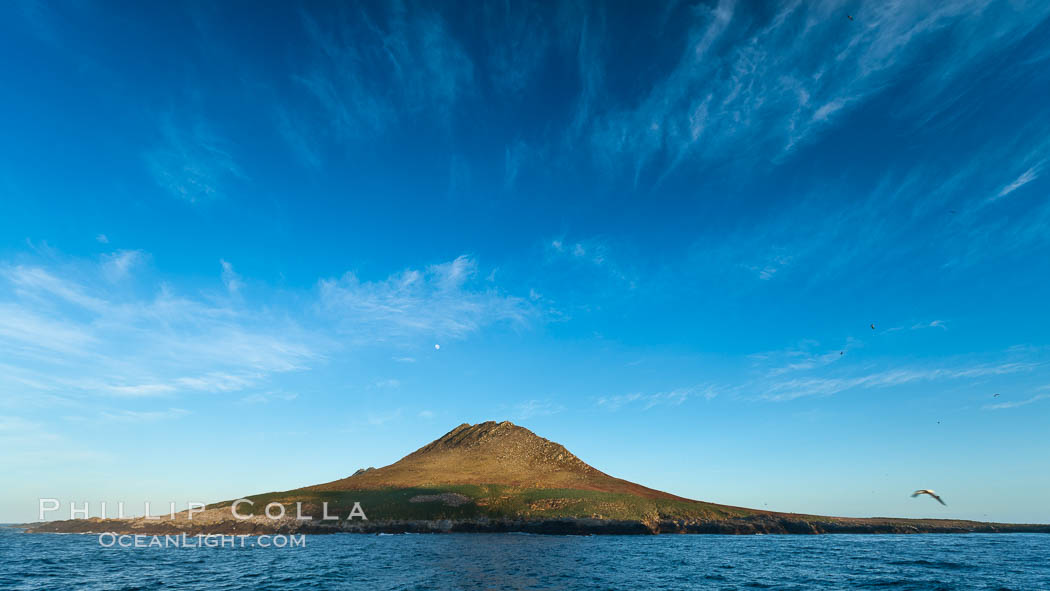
pixel 114 540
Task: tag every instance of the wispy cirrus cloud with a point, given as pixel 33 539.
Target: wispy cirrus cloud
pixel 755 87
pixel 931 324
pixel 444 300
pixel 807 371
pixel 191 161
pixel 230 277
pixel 592 251
pixel 1016 403
pixel 118 264
pixel 646 401
pixel 70 331
pixel 808 355
pixel 790 389
pixel 268 397
pixel 372 67
pixel 144 416
pixel 298 133
pixel 874 228
pixel 1026 177
pixel 529 409
pixel 595 253
pixel 517 40
pixel 515 156
pixel 768 269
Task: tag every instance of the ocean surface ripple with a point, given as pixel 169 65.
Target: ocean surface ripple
pixel 1018 562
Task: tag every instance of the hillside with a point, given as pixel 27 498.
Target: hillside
pixel 492 453
pixel 498 477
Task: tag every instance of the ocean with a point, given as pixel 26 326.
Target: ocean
pixel 509 561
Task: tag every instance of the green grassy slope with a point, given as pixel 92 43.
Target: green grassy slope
pixel 491 501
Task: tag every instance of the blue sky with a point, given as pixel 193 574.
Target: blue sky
pixel 231 237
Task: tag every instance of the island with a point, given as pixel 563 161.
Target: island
pixel 496 477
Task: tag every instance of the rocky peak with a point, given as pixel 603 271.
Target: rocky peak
pixel 503 440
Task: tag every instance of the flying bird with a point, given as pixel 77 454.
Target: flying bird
pixel 995 395
pixel 927 491
pixel 872 327
pixel 849 16
pixel 841 352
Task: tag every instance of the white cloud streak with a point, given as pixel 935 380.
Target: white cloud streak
pixel 119 263
pixel 751 90
pixel 268 397
pixel 69 330
pixel 372 70
pixel 646 401
pixel 443 300
pixel 826 386
pixel 592 252
pixel 230 277
pixel 535 408
pixel 1015 404
pixel 144 416
pixel 192 163
pixel 1026 177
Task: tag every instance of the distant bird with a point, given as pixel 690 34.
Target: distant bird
pixel 872 327
pixel 953 211
pixel 927 491
pixel 841 352
pixel 995 395
pixel 849 16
